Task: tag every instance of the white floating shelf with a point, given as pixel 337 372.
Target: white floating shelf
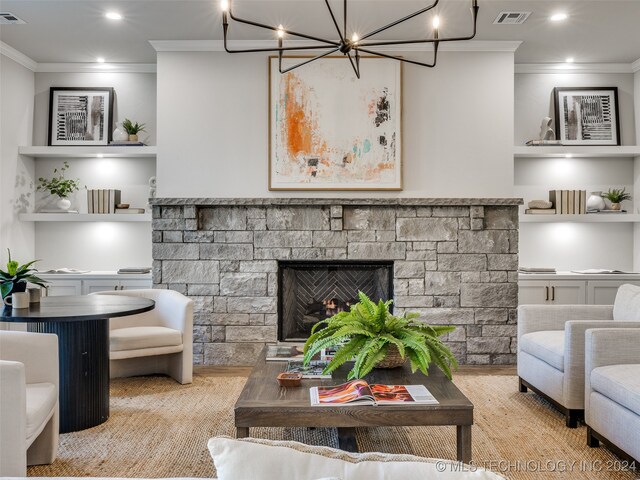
pixel 576 151
pixel 588 218
pixel 88 152
pixel 85 217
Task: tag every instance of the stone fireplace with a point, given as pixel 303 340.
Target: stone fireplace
pixel 453 260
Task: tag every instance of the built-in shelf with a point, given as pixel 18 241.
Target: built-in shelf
pixel 576 151
pixel 588 218
pixel 85 217
pixel 89 152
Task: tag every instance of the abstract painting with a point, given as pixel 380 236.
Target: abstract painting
pixel 329 130
pixel 80 116
pixel 587 115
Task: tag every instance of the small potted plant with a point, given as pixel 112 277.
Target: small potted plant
pixel 132 129
pixel 60 186
pixel 374 338
pixel 16 277
pixel 616 196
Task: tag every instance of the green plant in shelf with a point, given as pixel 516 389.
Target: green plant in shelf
pixel 132 128
pixel 15 278
pixel 617 195
pixel 368 332
pixel 59 185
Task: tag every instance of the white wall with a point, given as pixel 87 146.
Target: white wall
pixel 16 172
pixel 534 100
pixel 213 131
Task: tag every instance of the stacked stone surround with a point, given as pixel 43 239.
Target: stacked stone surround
pixel 455 261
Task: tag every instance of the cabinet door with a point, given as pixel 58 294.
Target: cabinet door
pixel 91 286
pixel 135 284
pixel 57 288
pixel 603 292
pixel 568 292
pixel 533 292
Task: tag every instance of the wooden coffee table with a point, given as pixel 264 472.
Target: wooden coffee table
pixel 263 403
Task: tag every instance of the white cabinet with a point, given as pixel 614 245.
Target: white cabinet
pixel 64 287
pixel 85 283
pixel 603 292
pixel 91 286
pixel 556 292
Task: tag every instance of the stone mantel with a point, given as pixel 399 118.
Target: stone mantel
pixel 281 201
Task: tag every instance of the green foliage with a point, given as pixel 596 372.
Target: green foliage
pixel 368 330
pixel 59 185
pixel 617 195
pixel 17 273
pixel 132 128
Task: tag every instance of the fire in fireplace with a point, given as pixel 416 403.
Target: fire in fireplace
pixel 311 291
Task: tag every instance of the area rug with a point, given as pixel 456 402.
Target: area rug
pixel 159 428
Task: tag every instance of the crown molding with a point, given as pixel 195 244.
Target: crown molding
pixel 573 68
pixel 96 67
pixel 635 66
pixel 17 56
pixel 217 46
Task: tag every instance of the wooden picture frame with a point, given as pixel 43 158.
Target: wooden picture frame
pixel 329 130
pixel 587 115
pixel 80 116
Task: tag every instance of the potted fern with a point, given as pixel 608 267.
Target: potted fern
pixel 132 129
pixel 373 337
pixel 616 196
pixel 15 278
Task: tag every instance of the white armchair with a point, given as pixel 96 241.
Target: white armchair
pixel 158 341
pixel 551 346
pixel 29 411
pixel 612 396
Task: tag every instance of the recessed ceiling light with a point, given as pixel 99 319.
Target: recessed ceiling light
pixel 569 60
pixel 558 17
pixel 113 16
pixel 100 60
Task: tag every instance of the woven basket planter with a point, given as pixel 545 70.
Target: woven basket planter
pixel 392 359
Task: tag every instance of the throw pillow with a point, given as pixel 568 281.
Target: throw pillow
pixel 266 460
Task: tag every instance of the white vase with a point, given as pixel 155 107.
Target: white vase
pixel 595 201
pixel 120 135
pixel 63 203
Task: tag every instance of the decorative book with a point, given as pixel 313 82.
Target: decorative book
pixel 282 353
pixel 359 392
pixel 313 370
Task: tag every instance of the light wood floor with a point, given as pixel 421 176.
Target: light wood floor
pixel 214 371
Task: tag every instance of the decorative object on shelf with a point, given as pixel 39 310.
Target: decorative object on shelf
pixel 546 132
pixel 540 207
pixel 616 196
pixel 120 135
pixel 587 115
pixel 346 43
pixel 15 278
pixel 314 146
pixel 60 186
pixel 152 187
pixel 595 202
pixel 80 115
pixel 133 129
pixel 540 204
pixel 569 202
pixel 368 333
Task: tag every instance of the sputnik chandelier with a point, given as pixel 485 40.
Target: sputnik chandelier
pixel 350 46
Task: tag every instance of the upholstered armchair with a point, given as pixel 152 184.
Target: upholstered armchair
pixel 551 346
pixel 612 396
pixel 158 341
pixel 29 412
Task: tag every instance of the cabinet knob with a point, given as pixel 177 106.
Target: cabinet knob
pixel 553 293
pixel 116 287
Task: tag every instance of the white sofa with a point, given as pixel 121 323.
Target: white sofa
pixel 29 411
pixel 551 346
pixel 158 341
pixel 612 397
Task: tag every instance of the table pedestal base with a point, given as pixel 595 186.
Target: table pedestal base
pixel 84 371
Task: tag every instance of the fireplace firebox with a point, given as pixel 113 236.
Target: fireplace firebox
pixel 311 291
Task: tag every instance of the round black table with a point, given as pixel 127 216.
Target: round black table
pixel 82 326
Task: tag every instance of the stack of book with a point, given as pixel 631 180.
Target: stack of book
pixel 569 202
pixel 102 200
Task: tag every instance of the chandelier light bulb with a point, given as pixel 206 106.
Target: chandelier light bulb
pixel 558 17
pixel 280 31
pixel 354 38
pixel 224 5
pixel 113 16
pixel 436 22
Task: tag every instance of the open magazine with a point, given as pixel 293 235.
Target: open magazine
pixel 359 392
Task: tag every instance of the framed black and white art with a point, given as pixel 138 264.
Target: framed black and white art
pixel 587 115
pixel 80 116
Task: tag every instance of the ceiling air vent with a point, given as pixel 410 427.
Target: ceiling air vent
pixel 511 18
pixel 7 18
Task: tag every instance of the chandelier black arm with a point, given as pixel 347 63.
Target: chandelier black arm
pixel 408 17
pixel 345 18
pixel 305 62
pixel 405 60
pixel 356 65
pixel 275 29
pixel 334 21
